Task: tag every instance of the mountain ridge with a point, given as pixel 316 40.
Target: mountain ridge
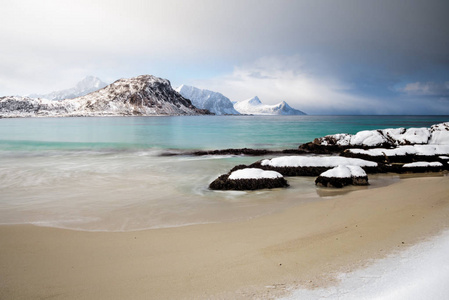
pixel 254 106
pixel 215 102
pixel 144 95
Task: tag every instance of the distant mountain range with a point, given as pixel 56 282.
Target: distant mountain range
pixel 144 95
pixel 86 86
pixel 220 105
pixel 254 106
pixel 212 101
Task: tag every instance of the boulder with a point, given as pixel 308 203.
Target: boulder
pixel 422 167
pixel 342 176
pixel 249 179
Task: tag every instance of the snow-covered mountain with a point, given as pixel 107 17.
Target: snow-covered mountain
pixel 214 102
pixel 144 95
pixel 254 106
pixel 86 86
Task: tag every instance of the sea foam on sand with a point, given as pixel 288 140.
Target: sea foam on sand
pixel 420 272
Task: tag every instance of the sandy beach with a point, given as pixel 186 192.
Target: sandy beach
pixel 305 246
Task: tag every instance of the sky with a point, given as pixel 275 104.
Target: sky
pixel 322 57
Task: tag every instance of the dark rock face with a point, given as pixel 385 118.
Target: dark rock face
pixel 224 183
pixel 316 148
pixel 421 170
pixel 340 182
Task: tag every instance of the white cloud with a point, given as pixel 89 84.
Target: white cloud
pixel 286 78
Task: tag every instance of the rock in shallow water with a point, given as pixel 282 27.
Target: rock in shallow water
pixel 249 179
pixel 342 176
pixel 422 167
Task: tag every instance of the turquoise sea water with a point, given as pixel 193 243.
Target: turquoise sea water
pixel 198 132
pixel 107 173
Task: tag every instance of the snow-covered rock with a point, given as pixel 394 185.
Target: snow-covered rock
pixel 387 138
pixel 411 136
pixel 423 164
pixel 249 179
pixel 254 106
pixel 344 172
pixel 144 95
pixel 440 134
pixel 87 85
pixel 212 101
pixel 341 176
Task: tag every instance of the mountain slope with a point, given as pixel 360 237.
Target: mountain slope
pixel 144 95
pixel 254 106
pixel 214 102
pixel 87 85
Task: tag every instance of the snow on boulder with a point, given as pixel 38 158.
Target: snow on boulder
pixel 345 172
pixel 369 138
pixel 341 176
pixel 253 173
pixel 437 134
pixel 249 179
pixel 311 165
pixel 423 166
pixel 440 134
pixel 366 138
pixel 411 136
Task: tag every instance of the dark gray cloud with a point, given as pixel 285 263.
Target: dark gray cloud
pixel 365 46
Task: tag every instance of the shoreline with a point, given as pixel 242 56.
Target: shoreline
pixel 306 246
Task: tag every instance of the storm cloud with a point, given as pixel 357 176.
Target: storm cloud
pixel 361 54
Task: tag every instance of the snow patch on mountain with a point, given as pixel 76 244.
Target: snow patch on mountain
pixel 254 106
pixel 212 101
pixel 86 86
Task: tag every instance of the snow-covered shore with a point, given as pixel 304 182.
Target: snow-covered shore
pixel 420 272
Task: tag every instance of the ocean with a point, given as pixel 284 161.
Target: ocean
pixel 113 174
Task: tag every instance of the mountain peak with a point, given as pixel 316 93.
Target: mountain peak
pixel 255 100
pixel 215 102
pixel 254 106
pixel 88 85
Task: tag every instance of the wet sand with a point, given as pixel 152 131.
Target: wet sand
pixel 307 246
